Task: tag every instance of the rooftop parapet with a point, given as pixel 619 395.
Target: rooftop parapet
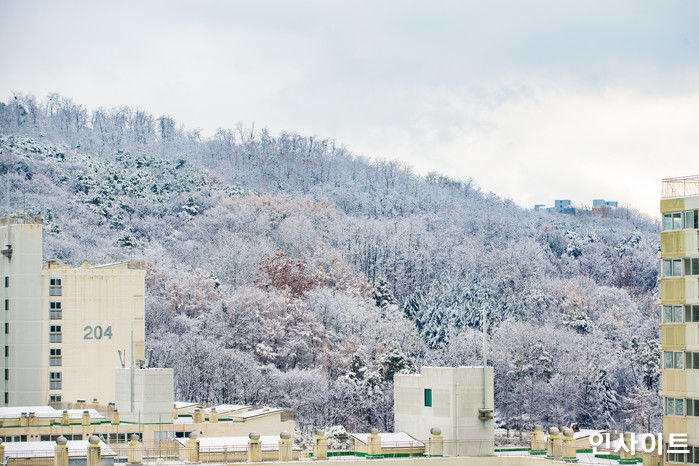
pixel 682 186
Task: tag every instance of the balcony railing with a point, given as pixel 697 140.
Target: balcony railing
pixel 683 186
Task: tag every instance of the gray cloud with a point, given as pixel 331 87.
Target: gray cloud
pixel 468 88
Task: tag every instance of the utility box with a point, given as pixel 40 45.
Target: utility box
pixel 451 399
pixel 147 397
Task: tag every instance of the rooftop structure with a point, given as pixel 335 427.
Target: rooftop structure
pixel 456 400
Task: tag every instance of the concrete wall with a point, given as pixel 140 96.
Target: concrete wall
pixel 25 340
pixel 152 395
pixel 457 395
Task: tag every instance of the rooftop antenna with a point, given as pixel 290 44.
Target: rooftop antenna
pixel 7 252
pixel 485 356
pixel 132 375
pixel 485 413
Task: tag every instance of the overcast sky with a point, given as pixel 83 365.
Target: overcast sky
pixel 534 100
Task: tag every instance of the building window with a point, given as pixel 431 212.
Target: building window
pixel 7 398
pixel 672 314
pixel 428 397
pixel 672 268
pixel 7 282
pixel 7 304
pixel 672 221
pixel 55 358
pixel 674 457
pixel 691 313
pixel 55 288
pixel 674 406
pixel 55 380
pixel 7 351
pixel 7 328
pixel 54 398
pixel 691 219
pixel 691 360
pixel 55 335
pixel 673 360
pixel 7 374
pixel 691 266
pixel 55 311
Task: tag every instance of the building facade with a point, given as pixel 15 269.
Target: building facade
pixel 679 313
pixel 66 329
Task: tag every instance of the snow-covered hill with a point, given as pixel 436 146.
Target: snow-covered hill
pixel 283 270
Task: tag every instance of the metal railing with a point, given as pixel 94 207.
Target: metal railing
pixel 682 186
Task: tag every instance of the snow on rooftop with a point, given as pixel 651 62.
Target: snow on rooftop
pixel 583 433
pixel 111 265
pixel 224 408
pixel 257 412
pixel 14 412
pixel 233 444
pixel 76 449
pixel 185 404
pixel 76 414
pixel 391 440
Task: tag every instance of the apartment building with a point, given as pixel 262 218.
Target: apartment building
pixel 65 330
pixel 679 313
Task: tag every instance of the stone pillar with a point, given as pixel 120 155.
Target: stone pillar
pixel 81 404
pixel 213 414
pixel 85 419
pixel 2 453
pixel 538 444
pixel 198 416
pixel 558 444
pixel 93 451
pixel 60 457
pixel 553 436
pixel 320 446
pixel 65 418
pixel 285 447
pixel 568 450
pixel 135 450
pixel 254 448
pixel 95 404
pixel 23 420
pixel 192 448
pixel 33 420
pixel 175 412
pixel 374 443
pixel 436 442
pixel 114 418
pixel 110 408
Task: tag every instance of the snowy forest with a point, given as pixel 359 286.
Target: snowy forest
pixel 284 270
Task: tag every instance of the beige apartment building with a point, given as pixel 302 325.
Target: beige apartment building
pixel 66 330
pixel 679 309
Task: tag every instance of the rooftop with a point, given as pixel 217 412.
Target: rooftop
pixel 14 412
pixel 76 448
pixel 682 186
pixel 226 408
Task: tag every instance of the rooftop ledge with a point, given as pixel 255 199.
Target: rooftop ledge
pixel 682 186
